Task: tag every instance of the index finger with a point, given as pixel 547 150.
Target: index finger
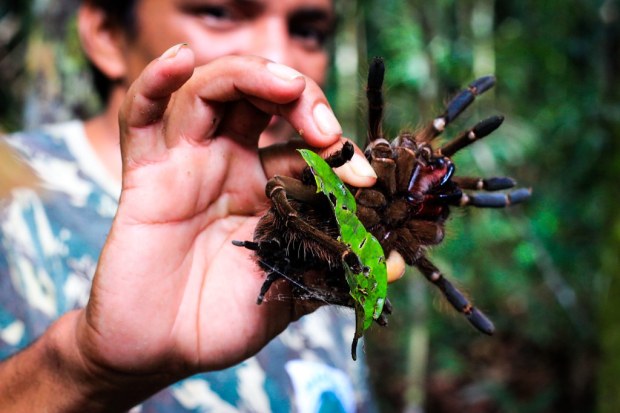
pixel 273 88
pixel 148 97
pixel 144 106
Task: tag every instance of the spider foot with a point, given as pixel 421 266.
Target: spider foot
pixel 254 246
pixel 456 106
pixel 273 273
pixel 479 320
pixel 269 280
pixel 456 298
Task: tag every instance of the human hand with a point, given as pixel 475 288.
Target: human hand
pixel 172 296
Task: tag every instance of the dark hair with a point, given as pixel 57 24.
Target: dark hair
pixel 119 14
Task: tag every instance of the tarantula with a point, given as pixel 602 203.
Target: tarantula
pixel 405 210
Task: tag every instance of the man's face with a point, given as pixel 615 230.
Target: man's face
pixel 291 32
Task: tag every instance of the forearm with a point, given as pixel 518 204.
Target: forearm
pixel 52 375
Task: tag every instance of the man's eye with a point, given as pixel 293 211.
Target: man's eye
pixel 217 12
pixel 311 37
pixel 217 16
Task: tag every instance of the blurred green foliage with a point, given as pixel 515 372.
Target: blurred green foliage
pixel 14 26
pixel 43 72
pixel 546 271
pixel 536 268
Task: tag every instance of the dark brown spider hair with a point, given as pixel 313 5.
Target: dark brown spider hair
pixel 120 14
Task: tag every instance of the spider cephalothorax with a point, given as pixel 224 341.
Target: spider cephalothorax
pixel 406 210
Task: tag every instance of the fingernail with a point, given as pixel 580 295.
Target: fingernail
pixel 325 120
pixel 283 72
pixel 395 266
pixel 172 52
pixel 361 167
pixel 357 172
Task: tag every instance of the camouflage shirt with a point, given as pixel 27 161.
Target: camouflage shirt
pixel 49 246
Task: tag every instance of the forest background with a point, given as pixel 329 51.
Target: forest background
pixel 547 272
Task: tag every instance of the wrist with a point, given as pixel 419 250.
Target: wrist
pixel 56 375
pixel 45 375
pixel 94 385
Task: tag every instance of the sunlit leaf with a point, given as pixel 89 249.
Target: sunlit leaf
pixel 369 286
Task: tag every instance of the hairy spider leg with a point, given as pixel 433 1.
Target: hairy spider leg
pixel 374 95
pixel 455 107
pixel 276 272
pixel 487 184
pixel 456 197
pixel 278 189
pixel 496 200
pixel 273 273
pixel 454 296
pixel 466 138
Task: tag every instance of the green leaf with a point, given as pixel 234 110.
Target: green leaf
pixel 369 286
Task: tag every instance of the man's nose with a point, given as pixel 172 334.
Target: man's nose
pixel 273 41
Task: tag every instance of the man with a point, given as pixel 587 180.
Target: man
pixel 195 84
